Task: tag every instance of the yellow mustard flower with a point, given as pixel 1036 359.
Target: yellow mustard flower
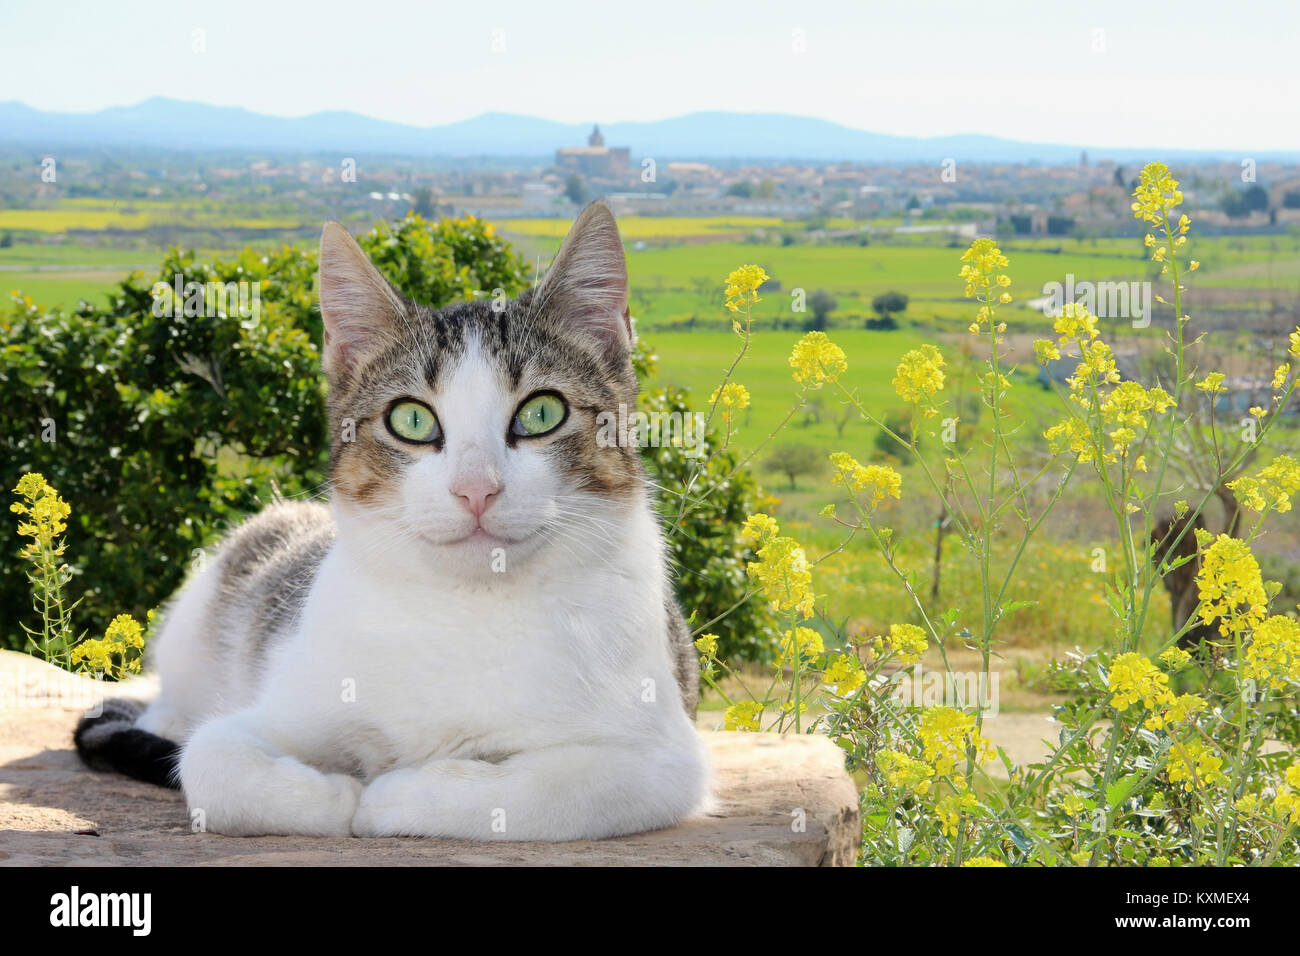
pixel 904 772
pixel 980 265
pixel 800 647
pixel 742 287
pixel 1212 383
pixel 950 808
pixel 908 641
pixel 946 733
pixel 879 481
pixel 1195 763
pixel 1272 487
pixel 783 572
pixel 845 675
pixel 1157 194
pixel 1230 587
pixel 816 359
pixel 1272 658
pixel 919 375
pixel 743 716
pixel 1134 678
pixel 731 396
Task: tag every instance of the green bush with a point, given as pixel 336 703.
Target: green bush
pixel 160 428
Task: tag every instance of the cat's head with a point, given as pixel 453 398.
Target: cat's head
pixel 472 434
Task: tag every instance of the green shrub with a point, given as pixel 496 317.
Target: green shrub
pixel 161 427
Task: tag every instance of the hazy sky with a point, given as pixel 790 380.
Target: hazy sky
pixel 1102 72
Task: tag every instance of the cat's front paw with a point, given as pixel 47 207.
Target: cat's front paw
pixel 387 805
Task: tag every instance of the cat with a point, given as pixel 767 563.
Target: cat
pixel 477 636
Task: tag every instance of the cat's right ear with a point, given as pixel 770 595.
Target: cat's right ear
pixel 360 308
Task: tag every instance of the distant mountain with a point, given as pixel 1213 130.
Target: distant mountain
pixel 162 123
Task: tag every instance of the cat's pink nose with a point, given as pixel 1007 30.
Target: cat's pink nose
pixel 477 493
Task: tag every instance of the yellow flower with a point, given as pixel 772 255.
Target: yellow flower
pixel 1045 351
pixel 983 861
pixel 1071 434
pixel 1212 383
pixel 1182 707
pixel 845 674
pixel 879 481
pixel 1156 195
pixel 817 359
pixel 783 572
pixel 946 733
pixel 1195 763
pixel 908 641
pixel 1230 587
pixel 707 645
pixel 1273 655
pixel 730 396
pixel 759 527
pixel 743 716
pixel 1287 802
pixel 45 511
pixel 742 287
pixel 115 654
pixel 1175 658
pixel 905 773
pixel 981 263
pixel 1295 342
pixel 949 809
pixel 1272 487
pixel 800 648
pixel 1075 322
pixel 1134 678
pixel 919 374
pixel 1280 375
pixel 126 631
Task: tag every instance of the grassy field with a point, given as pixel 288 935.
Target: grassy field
pixel 674 281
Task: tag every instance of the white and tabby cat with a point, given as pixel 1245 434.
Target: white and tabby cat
pixel 476 638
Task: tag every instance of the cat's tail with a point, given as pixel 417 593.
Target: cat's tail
pixel 112 741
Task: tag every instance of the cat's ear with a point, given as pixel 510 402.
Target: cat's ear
pixel 586 285
pixel 360 308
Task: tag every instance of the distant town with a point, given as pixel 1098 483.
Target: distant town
pixel 1089 198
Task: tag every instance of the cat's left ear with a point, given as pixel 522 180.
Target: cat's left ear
pixel 360 308
pixel 586 285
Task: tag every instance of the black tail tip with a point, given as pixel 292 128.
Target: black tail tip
pixel 110 741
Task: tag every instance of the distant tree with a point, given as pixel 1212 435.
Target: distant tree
pixel 1240 203
pixel 887 303
pixel 823 304
pixel 812 412
pixel 423 206
pixel 794 461
pixel 7 240
pixel 900 423
pixel 1291 200
pixel 743 189
pixel 766 189
pixel 575 189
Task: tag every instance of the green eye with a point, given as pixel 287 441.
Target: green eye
pixel 412 421
pixel 539 415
